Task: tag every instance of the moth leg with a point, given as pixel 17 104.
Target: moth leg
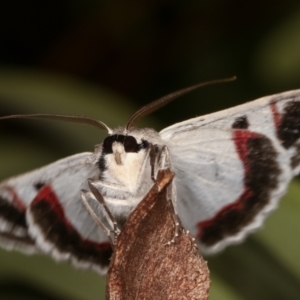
pixel 109 232
pixel 113 186
pixel 153 155
pixel 159 159
pixel 101 200
pixel 96 195
pixel 171 197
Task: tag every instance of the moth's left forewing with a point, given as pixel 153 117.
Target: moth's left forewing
pixel 233 166
pixel 45 206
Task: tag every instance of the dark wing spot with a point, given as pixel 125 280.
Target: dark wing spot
pixel 240 123
pixel 295 159
pixel 289 129
pixel 24 240
pixel 38 185
pixel 12 214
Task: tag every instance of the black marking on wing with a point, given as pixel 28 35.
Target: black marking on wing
pixel 21 240
pixel 39 185
pixel 295 159
pixel 240 123
pixel 261 178
pixel 289 128
pixel 12 214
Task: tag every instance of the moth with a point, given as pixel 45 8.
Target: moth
pixel 231 169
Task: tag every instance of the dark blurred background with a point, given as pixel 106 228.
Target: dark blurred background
pixel 107 58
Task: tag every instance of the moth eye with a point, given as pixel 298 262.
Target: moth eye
pixel 107 144
pixel 130 144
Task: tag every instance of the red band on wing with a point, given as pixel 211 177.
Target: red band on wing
pixel 49 216
pixel 241 137
pixel 238 205
pixel 47 194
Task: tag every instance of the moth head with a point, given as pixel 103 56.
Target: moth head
pixel 119 144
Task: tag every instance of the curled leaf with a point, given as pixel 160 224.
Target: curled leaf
pixel 144 265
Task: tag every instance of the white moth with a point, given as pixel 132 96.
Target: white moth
pixel 231 168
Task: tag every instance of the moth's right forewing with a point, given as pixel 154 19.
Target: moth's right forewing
pixel 232 167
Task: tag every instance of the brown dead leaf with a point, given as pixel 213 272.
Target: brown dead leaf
pixel 144 267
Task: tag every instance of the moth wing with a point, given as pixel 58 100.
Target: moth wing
pixel 233 166
pixel 42 211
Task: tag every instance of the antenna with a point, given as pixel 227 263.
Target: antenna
pixel 151 107
pixel 65 118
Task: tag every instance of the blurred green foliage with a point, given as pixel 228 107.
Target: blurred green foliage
pixel 105 59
